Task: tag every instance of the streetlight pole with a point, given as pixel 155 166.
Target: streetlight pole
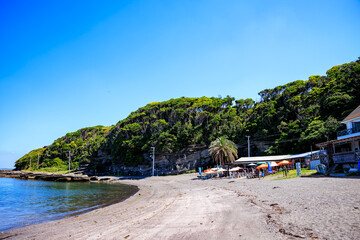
pixel 153 163
pixel 248 137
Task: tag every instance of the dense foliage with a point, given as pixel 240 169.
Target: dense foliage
pixel 288 119
pixel 83 145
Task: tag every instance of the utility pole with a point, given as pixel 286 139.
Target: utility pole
pixel 311 156
pixel 248 137
pixel 38 161
pixel 30 163
pixel 153 163
pixel 69 161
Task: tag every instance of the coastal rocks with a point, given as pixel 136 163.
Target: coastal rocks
pixel 94 178
pixel 45 176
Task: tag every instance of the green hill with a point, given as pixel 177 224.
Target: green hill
pixel 287 119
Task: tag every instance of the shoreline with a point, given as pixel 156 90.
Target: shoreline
pixel 104 205
pixel 184 207
pixel 129 191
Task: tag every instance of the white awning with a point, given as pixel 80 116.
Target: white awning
pixel 262 159
pixel 273 158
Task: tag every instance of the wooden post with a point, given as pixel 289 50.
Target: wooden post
pixel 353 149
pixel 353 145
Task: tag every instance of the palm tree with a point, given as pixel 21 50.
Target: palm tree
pixel 223 150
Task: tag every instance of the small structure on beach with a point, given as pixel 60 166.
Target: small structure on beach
pixel 344 151
pixel 304 158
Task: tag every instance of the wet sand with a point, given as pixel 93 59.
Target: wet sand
pixel 183 207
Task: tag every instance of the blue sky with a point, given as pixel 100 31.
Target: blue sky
pixel 65 65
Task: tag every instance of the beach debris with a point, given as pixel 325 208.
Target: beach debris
pixel 275 206
pixel 275 187
pixel 246 195
pixel 231 181
pixel 313 237
pixel 127 236
pixel 282 230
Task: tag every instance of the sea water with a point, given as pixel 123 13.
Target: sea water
pixel 25 202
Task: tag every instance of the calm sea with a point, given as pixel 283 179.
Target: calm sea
pixel 25 202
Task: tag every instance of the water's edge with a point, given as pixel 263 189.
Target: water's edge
pixel 134 189
pixel 131 191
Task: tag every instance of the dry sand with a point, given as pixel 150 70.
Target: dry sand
pixel 183 207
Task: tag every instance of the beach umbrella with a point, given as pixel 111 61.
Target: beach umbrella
pixel 209 170
pixel 235 169
pixel 285 162
pixel 262 166
pixel 221 170
pixel 252 164
pixel 274 164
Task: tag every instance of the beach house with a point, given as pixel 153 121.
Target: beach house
pixel 344 151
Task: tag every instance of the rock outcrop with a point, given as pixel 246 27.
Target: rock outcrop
pixel 45 176
pixel 164 164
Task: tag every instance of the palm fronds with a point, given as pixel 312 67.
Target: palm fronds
pixel 223 150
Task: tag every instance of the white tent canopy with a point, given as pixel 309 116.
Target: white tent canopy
pixel 235 169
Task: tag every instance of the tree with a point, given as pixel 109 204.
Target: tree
pixel 223 150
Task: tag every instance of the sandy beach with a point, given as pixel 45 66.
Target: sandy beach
pixel 183 207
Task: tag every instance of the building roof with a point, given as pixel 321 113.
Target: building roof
pixel 353 114
pixel 338 141
pixel 273 158
pixel 262 158
pixel 302 155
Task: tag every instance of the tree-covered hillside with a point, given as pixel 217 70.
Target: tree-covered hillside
pixel 287 119
pixel 83 145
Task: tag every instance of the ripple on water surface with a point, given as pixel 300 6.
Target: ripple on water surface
pixel 25 202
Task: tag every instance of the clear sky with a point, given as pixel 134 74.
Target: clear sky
pixel 67 64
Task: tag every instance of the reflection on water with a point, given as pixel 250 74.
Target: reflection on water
pixel 24 202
